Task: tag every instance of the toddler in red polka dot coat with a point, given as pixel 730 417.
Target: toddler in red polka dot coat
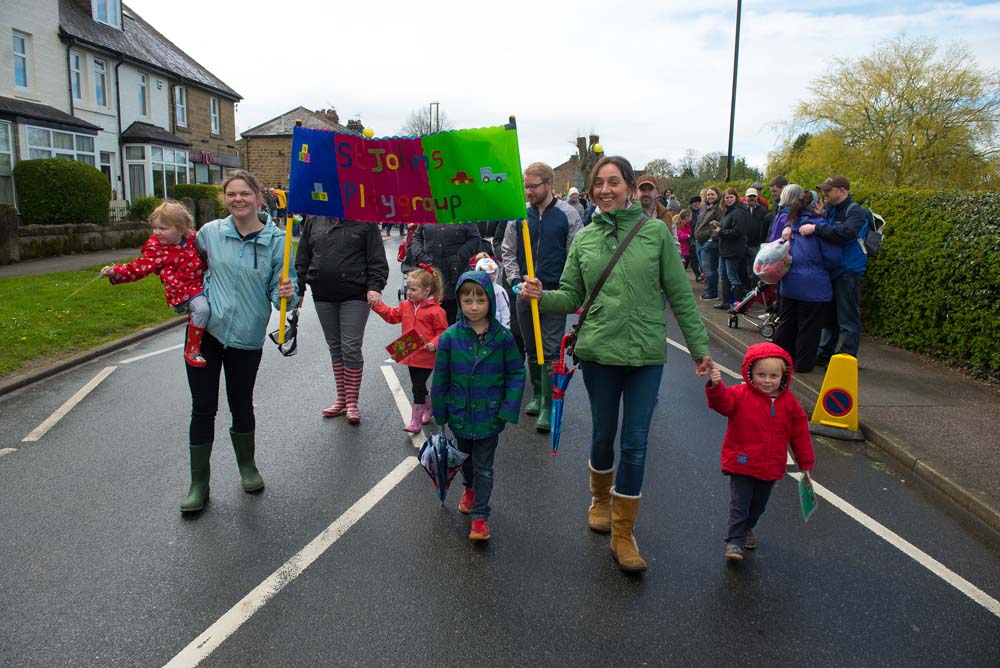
pixel 170 253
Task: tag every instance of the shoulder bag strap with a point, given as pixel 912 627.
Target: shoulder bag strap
pixel 607 271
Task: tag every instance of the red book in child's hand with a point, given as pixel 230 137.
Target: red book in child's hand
pixel 405 345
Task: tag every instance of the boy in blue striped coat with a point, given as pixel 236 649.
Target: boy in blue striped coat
pixel 477 387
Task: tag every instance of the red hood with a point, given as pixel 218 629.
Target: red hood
pixel 761 350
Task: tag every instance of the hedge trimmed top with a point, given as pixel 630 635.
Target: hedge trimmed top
pixel 55 191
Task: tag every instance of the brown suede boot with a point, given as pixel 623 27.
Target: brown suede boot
pixel 599 517
pixel 624 510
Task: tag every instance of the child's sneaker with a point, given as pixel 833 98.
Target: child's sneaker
pixel 751 540
pixel 468 500
pixel 480 530
pixel 734 551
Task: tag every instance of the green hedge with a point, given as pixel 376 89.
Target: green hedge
pixel 60 192
pixel 143 206
pixel 935 286
pixel 197 192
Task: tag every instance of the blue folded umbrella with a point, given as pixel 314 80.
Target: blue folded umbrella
pixel 441 459
pixel 560 376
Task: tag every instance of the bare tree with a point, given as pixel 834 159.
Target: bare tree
pixel 424 121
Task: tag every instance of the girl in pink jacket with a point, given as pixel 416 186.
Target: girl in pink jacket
pixel 420 312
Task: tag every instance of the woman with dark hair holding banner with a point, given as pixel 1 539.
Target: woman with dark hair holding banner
pixel 343 261
pixel 621 342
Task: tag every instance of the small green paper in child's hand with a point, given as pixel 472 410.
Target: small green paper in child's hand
pixel 807 496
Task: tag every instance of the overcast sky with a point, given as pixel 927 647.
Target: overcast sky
pixel 652 78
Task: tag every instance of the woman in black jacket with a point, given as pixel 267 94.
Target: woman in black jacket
pixel 344 263
pixel 733 234
pixel 447 248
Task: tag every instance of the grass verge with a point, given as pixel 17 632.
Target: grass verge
pixel 41 320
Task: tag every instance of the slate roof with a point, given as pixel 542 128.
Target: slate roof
pixel 16 110
pixel 281 126
pixel 139 133
pixel 137 42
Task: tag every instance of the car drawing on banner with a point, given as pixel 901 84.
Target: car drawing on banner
pixel 487 175
pixel 461 178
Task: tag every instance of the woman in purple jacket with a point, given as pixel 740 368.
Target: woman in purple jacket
pixel 806 290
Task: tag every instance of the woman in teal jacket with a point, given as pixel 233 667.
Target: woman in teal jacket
pixel 622 344
pixel 244 253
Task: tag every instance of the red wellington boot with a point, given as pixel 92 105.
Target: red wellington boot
pixel 192 351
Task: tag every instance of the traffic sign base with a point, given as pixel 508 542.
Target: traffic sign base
pixel 835 432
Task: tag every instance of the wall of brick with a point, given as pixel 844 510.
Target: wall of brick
pixel 199 122
pixel 268 158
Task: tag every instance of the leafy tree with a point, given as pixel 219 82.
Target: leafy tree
pixel 422 121
pixel 659 168
pixel 908 114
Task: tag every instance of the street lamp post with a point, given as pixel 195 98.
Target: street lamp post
pixel 732 109
pixel 434 116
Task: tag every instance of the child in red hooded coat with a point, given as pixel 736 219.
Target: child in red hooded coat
pixel 764 418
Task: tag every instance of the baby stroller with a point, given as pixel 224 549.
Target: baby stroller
pixel 764 317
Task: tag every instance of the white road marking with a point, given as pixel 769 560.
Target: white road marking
pixel 402 403
pixel 61 412
pixel 155 352
pixel 7 451
pixel 889 536
pixel 201 647
pixel 727 371
pixel 905 546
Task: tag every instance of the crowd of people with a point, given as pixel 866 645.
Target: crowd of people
pixel 616 254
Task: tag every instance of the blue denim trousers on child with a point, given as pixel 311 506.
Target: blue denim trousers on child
pixel 477 471
pixel 636 389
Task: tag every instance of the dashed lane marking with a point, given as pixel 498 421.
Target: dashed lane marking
pixel 906 547
pixel 201 647
pixel 402 403
pixel 155 352
pixel 7 451
pixel 729 372
pixel 61 412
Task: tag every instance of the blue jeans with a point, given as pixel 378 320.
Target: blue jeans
pixel 846 324
pixel 731 271
pixel 477 471
pixel 636 389
pixel 708 256
pixel 747 500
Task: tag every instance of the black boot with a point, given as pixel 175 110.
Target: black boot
pixel 244 446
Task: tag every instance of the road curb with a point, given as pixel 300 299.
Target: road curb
pixel 929 473
pixel 16 383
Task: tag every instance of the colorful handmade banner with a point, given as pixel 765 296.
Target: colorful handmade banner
pixel 458 176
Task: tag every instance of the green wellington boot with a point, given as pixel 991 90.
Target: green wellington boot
pixel 244 446
pixel 544 421
pixel 534 406
pixel 197 497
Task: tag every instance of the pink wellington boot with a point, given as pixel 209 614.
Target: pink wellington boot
pixel 415 425
pixel 428 411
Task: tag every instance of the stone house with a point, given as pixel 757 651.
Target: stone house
pixel 90 80
pixel 265 149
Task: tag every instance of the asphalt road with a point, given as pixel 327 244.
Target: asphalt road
pixel 98 567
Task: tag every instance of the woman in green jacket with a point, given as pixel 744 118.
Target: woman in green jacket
pixel 622 344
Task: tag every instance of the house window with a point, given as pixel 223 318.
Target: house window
pixel 215 115
pixel 143 96
pixel 45 143
pixel 76 74
pixel 100 83
pixel 6 164
pixel 21 62
pixel 165 166
pixel 108 12
pixel 180 106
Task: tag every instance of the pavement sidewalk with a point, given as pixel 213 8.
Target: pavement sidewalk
pixel 50 265
pixel 939 424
